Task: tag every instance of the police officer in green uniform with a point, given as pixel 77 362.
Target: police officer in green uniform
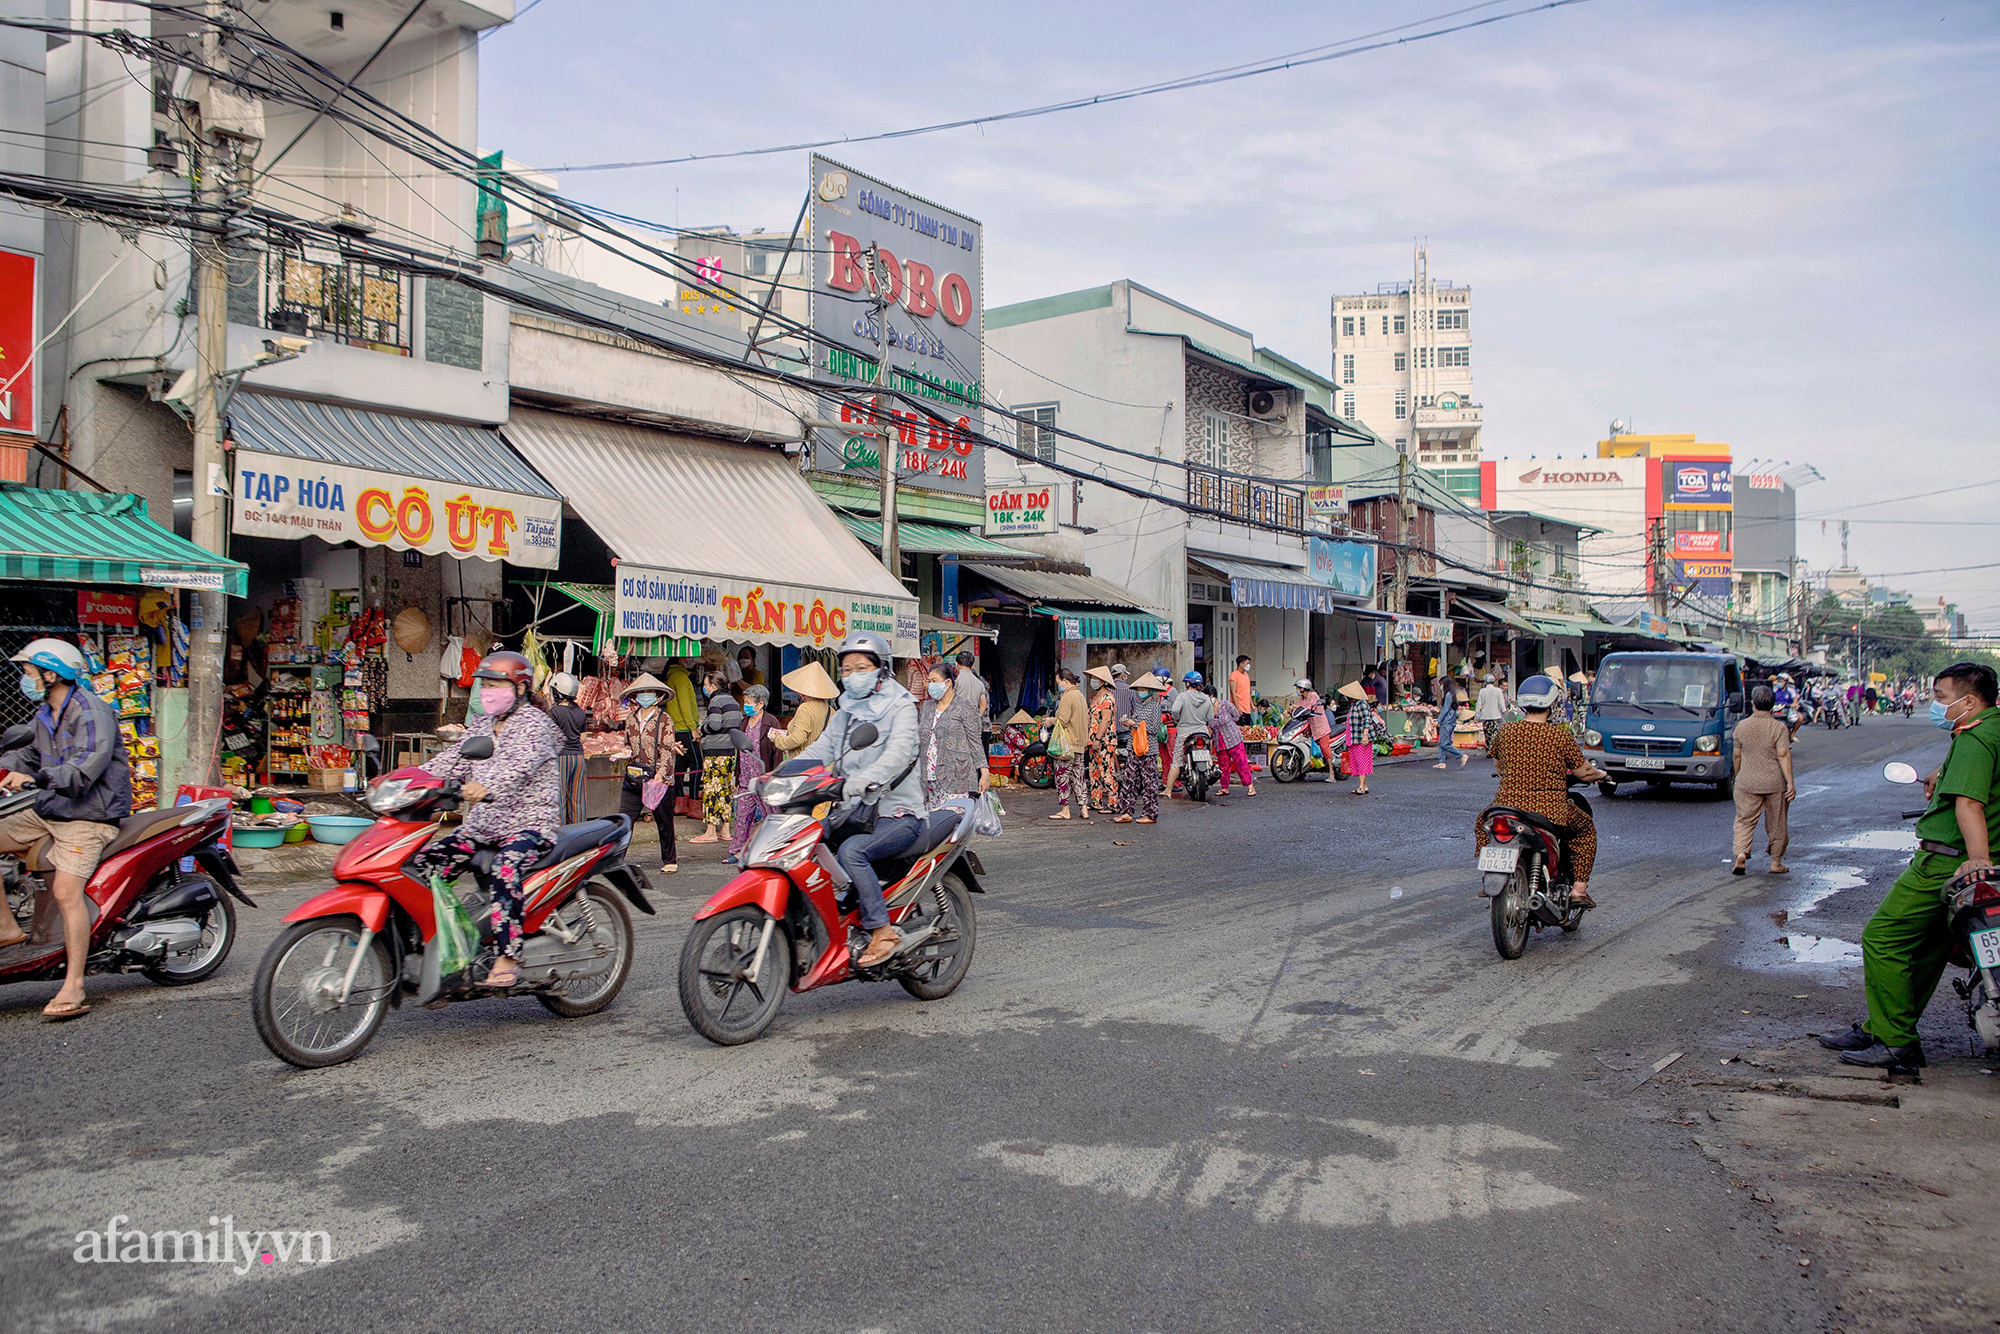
pixel 1907 942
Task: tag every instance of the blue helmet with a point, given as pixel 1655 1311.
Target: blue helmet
pixel 1538 692
pixel 1192 679
pixel 54 655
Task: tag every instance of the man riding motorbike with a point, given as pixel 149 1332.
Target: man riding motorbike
pixel 78 761
pixel 1536 759
pixel 870 694
pixel 1194 715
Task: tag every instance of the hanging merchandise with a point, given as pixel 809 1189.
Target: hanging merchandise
pixel 412 631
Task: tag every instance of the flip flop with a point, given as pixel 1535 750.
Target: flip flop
pixel 1781 870
pixel 1145 819
pixel 56 1014
pixel 672 869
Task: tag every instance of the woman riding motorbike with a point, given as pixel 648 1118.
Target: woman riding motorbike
pixel 1536 759
pixel 513 800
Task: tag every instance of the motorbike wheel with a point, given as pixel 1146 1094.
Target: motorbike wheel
pixel 218 937
pixel 938 975
pixel 613 924
pixel 1038 771
pixel 291 1000
pixel 1286 766
pixel 1510 911
pixel 717 995
pixel 1197 788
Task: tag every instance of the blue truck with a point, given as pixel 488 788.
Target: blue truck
pixel 1665 718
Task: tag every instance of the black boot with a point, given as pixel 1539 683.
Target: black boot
pixel 1856 1038
pixel 1893 1060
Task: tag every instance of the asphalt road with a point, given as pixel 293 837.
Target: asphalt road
pixel 1256 1067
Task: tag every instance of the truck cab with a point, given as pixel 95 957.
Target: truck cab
pixel 1665 718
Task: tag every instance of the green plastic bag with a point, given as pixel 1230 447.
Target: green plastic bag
pixel 454 946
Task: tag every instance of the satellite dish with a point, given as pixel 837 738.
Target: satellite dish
pixel 1618 426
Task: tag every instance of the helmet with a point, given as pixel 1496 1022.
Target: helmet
pixel 505 665
pixel 865 641
pixel 1192 678
pixel 1538 692
pixel 55 655
pixel 1302 685
pixel 564 684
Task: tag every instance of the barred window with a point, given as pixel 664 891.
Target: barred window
pixel 1455 356
pixel 1032 433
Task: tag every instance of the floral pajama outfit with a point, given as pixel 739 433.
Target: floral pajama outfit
pixel 447 859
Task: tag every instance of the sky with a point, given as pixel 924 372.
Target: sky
pixel 1771 225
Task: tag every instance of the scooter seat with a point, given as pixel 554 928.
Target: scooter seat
pixel 570 840
pixel 142 825
pixel 1528 818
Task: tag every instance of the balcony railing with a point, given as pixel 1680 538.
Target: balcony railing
pixel 345 300
pixel 1241 498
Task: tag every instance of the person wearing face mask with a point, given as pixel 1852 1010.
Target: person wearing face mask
pixel 954 758
pixel 77 761
pixel 816 692
pixel 884 773
pixel 651 745
pixel 1105 763
pixel 1240 685
pixel 721 739
pixel 1907 943
pixel 757 757
pixel 572 720
pixel 512 800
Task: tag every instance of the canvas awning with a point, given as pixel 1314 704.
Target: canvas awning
pixel 88 537
pixel 1081 590
pixel 714 540
pixel 1086 609
pixel 305 468
pixel 929 538
pixel 1106 628
pixel 1495 614
pixel 1257 584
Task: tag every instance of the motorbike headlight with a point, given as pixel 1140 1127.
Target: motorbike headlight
pixel 1707 745
pixel 768 847
pixel 394 794
pixel 1595 740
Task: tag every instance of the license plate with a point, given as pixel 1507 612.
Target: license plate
pixel 1493 857
pixel 1986 948
pixel 1203 757
pixel 1645 764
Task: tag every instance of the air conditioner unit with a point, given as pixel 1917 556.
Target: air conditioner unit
pixel 1267 405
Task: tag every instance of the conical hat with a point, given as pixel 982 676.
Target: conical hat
pixel 1021 716
pixel 1101 673
pixel 810 679
pixel 1150 681
pixel 1353 690
pixel 648 681
pixel 1578 677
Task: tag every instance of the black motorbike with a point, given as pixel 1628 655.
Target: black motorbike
pixel 1201 774
pixel 1530 855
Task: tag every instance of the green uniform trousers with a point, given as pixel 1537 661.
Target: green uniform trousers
pixel 1905 946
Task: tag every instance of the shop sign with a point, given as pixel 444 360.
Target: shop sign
pixel 277 496
pixel 207 580
pixel 651 602
pixel 1327 503
pixel 1422 630
pixel 1345 567
pixel 1020 511
pixel 1710 578
pixel 1766 481
pixel 17 342
pixel 933 339
pixel 1571 477
pixel 1646 623
pixel 1697 484
pixel 95 608
pixel 1707 544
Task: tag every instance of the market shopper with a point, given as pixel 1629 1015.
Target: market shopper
pixel 1139 786
pixel 513 801
pixel 1104 764
pixel 1073 769
pixel 816 692
pixel 1364 725
pixel 721 739
pixel 1232 757
pixel 1193 712
pixel 951 755
pixel 1451 699
pixel 572 720
pixel 650 751
pixel 756 758
pixel 1319 726
pixel 1491 710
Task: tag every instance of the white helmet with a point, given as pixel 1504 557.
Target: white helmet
pixel 564 685
pixel 55 655
pixel 1538 692
pixel 1302 685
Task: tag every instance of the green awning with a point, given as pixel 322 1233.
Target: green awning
pixel 1096 627
pixel 1568 625
pixel 85 537
pixel 929 538
pixel 599 598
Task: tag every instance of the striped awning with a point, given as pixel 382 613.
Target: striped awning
pixel 600 598
pixel 929 538
pixel 84 537
pixel 1091 627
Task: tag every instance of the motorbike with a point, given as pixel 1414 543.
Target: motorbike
pixel 1293 755
pixel 1199 770
pixel 1974 898
pixel 149 914
pixel 1032 765
pixel 355 951
pixel 791 919
pixel 1530 855
pixel 1833 715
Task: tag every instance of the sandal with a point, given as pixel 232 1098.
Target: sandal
pixel 1123 819
pixel 493 983
pixel 57 1013
pixel 1145 819
pixel 671 868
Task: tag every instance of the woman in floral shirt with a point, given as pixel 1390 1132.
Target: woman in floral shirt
pixel 513 800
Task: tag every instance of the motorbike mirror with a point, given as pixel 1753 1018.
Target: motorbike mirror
pixel 477 748
pixel 17 736
pixel 862 737
pixel 1898 772
pixel 370 745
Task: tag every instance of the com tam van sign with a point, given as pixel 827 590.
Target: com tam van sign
pixel 650 601
pixel 276 496
pixel 1020 511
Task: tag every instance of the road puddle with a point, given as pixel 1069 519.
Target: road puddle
pixel 1821 949
pixel 1878 840
pixel 1826 882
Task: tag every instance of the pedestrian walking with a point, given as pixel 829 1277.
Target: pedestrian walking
pixel 1073 769
pixel 572 720
pixel 1232 757
pixel 721 739
pixel 1364 724
pixel 1491 710
pixel 1764 786
pixel 1193 712
pixel 816 692
pixel 1104 764
pixel 1451 699
pixel 757 758
pixel 949 749
pixel 650 748
pixel 1139 786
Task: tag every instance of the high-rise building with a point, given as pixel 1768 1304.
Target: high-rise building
pixel 1402 358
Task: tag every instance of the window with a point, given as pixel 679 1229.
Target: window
pixel 1032 434
pixel 1349 414
pixel 1399 324
pixel 1347 368
pixel 1455 356
pixel 1347 326
pixel 1402 361
pixel 757 259
pixel 1423 358
pixel 1402 405
pixel 1215 440
pixel 1451 319
pixel 1385 324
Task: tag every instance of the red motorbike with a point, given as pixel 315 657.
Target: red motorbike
pixel 147 914
pixel 791 919
pixel 355 951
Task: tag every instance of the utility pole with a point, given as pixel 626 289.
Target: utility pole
pixel 1657 558
pixel 892 556
pixel 1402 594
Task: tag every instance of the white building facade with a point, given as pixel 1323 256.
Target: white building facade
pixel 1402 361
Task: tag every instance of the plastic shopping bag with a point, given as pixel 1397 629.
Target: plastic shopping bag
pixel 652 792
pixel 984 810
pixel 453 947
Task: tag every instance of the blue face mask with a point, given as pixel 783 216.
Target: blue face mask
pixel 646 699
pixel 31 686
pixel 749 707
pixel 860 685
pixel 1940 717
pixel 937 689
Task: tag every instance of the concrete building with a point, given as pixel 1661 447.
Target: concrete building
pixel 1402 358
pixel 1766 545
pixel 1611 496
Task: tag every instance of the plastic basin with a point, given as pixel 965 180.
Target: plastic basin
pixel 257 838
pixel 337 828
pixel 298 833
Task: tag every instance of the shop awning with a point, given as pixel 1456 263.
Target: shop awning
pixel 1091 627
pixel 1496 614
pixel 86 537
pixel 1079 590
pixel 1572 625
pixel 937 625
pixel 929 538
pixel 714 540
pixel 305 468
pixel 600 598
pixel 1085 608
pixel 1256 584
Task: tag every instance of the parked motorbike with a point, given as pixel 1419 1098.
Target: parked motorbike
pixel 355 951
pixel 1033 765
pixel 1974 897
pixel 1531 856
pixel 151 917
pixel 1199 770
pixel 1293 755
pixel 791 919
